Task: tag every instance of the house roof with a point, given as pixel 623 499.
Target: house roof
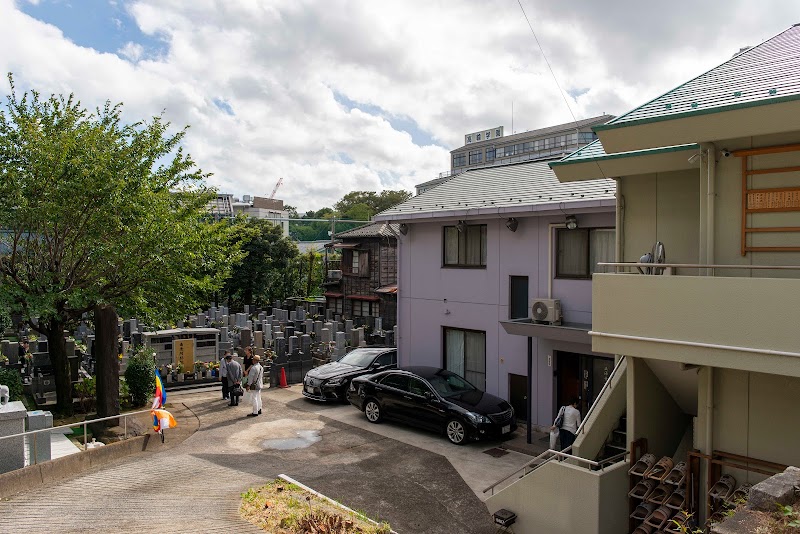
pixel 765 74
pixel 520 187
pixel 376 229
pixel 566 127
pixel 594 151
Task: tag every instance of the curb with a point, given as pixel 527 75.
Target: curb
pixel 32 476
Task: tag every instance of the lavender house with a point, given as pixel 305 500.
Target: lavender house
pixel 476 253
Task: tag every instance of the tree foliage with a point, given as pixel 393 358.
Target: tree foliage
pixel 94 210
pixel 363 202
pixel 140 375
pixel 267 271
pixel 10 377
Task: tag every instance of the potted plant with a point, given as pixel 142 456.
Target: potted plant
pixel 170 373
pixel 180 372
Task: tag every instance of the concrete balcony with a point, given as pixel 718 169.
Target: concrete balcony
pixel 748 323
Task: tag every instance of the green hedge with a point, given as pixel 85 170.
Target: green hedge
pixel 140 376
pixel 12 379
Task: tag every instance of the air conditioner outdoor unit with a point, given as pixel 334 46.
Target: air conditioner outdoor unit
pixel 335 275
pixel 546 311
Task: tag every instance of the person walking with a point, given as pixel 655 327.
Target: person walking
pixel 570 421
pixel 223 373
pixel 234 378
pixel 255 381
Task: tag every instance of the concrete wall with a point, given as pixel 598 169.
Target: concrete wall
pixel 432 297
pixel 605 418
pixel 652 412
pixel 756 415
pixel 559 498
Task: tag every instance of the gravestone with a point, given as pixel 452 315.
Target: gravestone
pixel 241 320
pixel 305 344
pixel 378 326
pixel 337 318
pixel 280 348
pixel 258 339
pixel 318 329
pixel 247 309
pixel 301 314
pixel 348 326
pixel 294 344
pixel 223 333
pixel 341 344
pixel 245 337
pixel 308 326
pixel 289 331
pixel 328 314
pixel 12 451
pixel 292 316
pixel 325 335
pixel 266 328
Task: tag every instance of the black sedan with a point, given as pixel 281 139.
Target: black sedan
pixel 329 382
pixel 435 399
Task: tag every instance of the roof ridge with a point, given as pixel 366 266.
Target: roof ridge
pixel 618 119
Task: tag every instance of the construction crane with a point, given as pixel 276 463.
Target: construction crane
pixel 275 190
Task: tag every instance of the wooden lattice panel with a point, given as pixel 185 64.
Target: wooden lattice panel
pixel 788 200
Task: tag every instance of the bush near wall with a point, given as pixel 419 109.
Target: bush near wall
pixel 140 376
pixel 12 379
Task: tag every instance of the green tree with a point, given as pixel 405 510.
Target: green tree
pixel 97 212
pixel 266 272
pixel 377 202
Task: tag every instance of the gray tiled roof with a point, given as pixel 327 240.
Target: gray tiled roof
pixel 765 74
pixel 566 127
pixel 502 189
pixel 379 229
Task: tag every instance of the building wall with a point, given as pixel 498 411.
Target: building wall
pixel 432 297
pixel 382 271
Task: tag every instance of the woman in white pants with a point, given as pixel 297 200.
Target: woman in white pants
pixel 255 381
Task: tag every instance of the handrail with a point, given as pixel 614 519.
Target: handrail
pixel 607 385
pixel 700 266
pixel 555 453
pixel 558 454
pixel 123 416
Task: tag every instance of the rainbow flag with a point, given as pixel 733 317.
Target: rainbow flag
pixel 160 398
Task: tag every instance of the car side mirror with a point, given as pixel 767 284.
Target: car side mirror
pixel 428 395
pixel 376 365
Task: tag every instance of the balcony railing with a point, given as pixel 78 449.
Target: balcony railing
pixel 738 322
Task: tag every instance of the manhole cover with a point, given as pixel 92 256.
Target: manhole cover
pixel 495 452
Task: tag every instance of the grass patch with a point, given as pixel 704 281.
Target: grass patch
pixel 283 508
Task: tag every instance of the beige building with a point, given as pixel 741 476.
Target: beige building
pixel 226 206
pixel 708 344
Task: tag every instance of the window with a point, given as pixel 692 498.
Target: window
pixel 518 297
pixel 466 248
pixel 365 308
pixel 387 358
pixel 335 304
pixel 475 157
pixel 579 251
pixel 355 262
pixel 396 381
pixel 418 387
pixel 490 152
pixel 354 265
pixel 459 160
pixel 465 354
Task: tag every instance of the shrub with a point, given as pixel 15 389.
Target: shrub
pixel 87 391
pixel 140 375
pixel 12 379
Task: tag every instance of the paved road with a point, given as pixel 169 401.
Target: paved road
pixel 195 485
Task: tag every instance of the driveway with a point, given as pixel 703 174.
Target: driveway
pixel 195 485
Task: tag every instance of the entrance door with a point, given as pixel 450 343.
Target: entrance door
pixel 582 376
pixel 518 395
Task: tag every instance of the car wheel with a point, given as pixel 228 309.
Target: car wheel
pixel 456 432
pixel 373 411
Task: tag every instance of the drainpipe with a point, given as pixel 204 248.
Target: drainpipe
pixel 550 259
pixel 709 423
pixel 620 219
pixel 711 193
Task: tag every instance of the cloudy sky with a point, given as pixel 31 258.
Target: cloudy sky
pixel 337 95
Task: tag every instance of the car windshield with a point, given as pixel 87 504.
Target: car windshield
pixel 448 384
pixel 358 358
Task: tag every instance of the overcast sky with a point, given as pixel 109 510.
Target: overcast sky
pixel 337 95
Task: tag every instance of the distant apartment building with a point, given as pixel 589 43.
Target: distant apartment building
pixel 490 147
pixel 226 206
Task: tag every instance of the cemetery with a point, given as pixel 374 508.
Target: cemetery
pixel 291 336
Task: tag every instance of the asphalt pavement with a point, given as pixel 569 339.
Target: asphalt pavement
pixel 413 479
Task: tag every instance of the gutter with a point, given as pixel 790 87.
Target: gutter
pixel 494 211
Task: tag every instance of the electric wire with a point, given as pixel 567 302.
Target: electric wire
pixel 555 79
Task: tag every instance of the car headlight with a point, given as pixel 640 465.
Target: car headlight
pixel 334 382
pixel 477 418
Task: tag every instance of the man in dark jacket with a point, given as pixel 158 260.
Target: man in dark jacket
pixel 234 377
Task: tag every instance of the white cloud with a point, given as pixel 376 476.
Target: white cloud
pixel 449 67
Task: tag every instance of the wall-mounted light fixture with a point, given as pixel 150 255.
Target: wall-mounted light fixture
pixel 512 224
pixel 403 228
pixel 571 222
pixel 461 226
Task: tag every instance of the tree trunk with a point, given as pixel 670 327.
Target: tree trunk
pixel 106 360
pixel 57 348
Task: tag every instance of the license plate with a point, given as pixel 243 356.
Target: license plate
pixel 309 389
pixel 506 429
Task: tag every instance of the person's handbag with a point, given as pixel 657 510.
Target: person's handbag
pixel 237 390
pixel 559 422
